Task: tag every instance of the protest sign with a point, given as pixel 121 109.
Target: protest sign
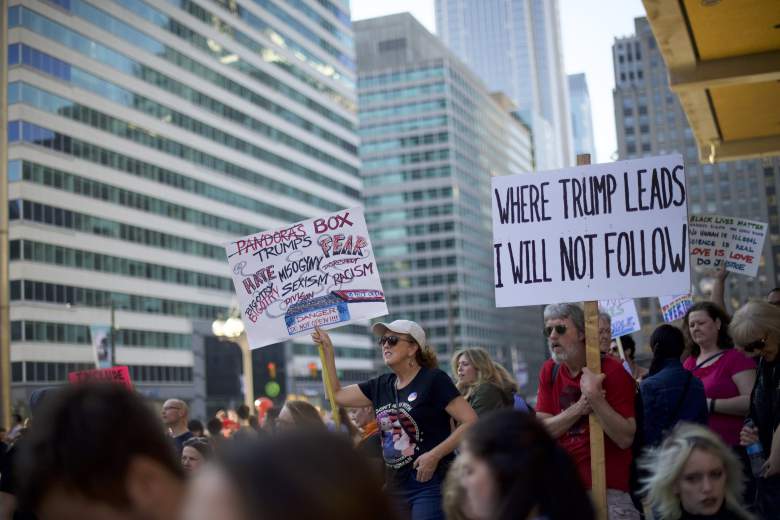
pixel 718 238
pixel 596 232
pixel 119 375
pixel 101 345
pixel 625 319
pixel 319 272
pixel 674 307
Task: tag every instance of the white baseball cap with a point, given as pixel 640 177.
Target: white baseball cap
pixel 401 327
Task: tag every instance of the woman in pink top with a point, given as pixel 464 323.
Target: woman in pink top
pixel 728 374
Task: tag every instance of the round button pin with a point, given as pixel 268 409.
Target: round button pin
pixel 412 397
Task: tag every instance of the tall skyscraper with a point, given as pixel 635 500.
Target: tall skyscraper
pixel 581 117
pixel 515 46
pixel 650 121
pixel 432 137
pixel 142 136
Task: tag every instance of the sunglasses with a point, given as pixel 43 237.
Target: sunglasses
pixel 559 329
pixel 755 345
pixel 390 340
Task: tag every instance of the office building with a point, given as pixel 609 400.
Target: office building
pixel 432 136
pixel 144 135
pixel 650 121
pixel 581 117
pixel 515 47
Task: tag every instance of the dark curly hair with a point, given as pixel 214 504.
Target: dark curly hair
pixel 715 312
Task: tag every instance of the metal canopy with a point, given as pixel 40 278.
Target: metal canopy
pixel 723 58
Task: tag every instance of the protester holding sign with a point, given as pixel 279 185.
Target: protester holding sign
pixel 569 392
pixel 728 375
pixel 414 405
pixel 756 329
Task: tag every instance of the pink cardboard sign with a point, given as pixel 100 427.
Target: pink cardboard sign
pixel 119 375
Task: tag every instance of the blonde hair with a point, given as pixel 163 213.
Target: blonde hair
pixel 425 356
pixel 488 371
pixel 754 321
pixel 664 465
pixel 453 493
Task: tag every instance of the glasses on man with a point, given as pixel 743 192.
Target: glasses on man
pixel 755 345
pixel 390 340
pixel 559 329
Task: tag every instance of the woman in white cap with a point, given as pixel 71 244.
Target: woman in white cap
pixel 414 404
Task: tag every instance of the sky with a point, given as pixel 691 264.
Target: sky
pixel 588 29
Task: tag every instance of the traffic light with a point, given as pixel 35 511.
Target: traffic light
pixel 272 370
pixel 313 369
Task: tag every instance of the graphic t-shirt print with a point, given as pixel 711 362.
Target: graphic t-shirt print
pixel 569 396
pixel 400 434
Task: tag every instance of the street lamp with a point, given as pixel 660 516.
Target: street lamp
pixel 232 329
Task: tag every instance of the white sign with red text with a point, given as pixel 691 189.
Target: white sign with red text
pixel 736 241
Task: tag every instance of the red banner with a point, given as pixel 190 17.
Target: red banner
pixel 119 375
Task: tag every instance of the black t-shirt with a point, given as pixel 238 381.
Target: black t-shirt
pixel 413 419
pixel 179 441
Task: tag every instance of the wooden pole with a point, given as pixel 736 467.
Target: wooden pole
pixel 331 395
pixel 593 358
pixel 620 348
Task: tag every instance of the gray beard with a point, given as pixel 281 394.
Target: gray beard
pixel 558 358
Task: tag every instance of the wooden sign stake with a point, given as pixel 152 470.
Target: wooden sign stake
pixel 593 357
pixel 331 395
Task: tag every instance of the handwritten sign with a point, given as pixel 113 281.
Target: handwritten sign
pixel 319 272
pixel 119 375
pixel 595 232
pixel 625 318
pixel 736 241
pixel 674 307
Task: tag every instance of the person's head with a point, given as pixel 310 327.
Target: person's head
pixel 403 343
pixel 504 379
pixel 773 296
pixel 303 474
pixel 666 342
pixel 271 416
pixel 473 367
pixel 362 416
pixel 214 427
pixel 195 453
pixel 629 346
pixel 706 326
pixel 299 415
pixel 756 328
pixel 605 332
pixel 692 470
pixel 243 412
pixel 98 451
pixel 17 418
pixel 174 413
pixel 511 466
pixel 195 427
pixel 564 328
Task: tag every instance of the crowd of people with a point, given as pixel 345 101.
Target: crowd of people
pixel 694 436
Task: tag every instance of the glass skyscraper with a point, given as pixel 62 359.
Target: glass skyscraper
pixel 581 117
pixel 142 136
pixel 515 46
pixel 432 136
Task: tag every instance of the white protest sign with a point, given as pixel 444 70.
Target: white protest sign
pixel 319 272
pixel 595 232
pixel 625 319
pixel 737 241
pixel 674 307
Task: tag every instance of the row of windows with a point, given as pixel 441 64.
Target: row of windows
pixel 64 181
pixel 409 196
pixel 342 352
pixel 397 111
pixel 412 230
pixel 50 29
pixel 406 282
pixel 48 372
pixel 410 213
pixel 386 178
pixel 68 257
pixel 178 29
pixel 20 92
pixel 402 93
pixel 408 158
pixel 419 263
pixel 38 135
pixel 29 290
pixel 323 22
pixel 413 248
pixel 81 78
pixel 65 218
pixel 408 125
pixel 302 29
pixel 47 332
pixel 403 142
pixel 400 77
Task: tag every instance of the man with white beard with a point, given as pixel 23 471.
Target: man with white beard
pixel 569 392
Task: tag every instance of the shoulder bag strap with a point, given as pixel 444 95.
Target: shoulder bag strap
pixel 717 355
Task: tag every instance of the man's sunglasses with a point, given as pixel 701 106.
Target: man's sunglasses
pixel 559 329
pixel 390 340
pixel 755 345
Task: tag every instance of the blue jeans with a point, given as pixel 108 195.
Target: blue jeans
pixel 419 500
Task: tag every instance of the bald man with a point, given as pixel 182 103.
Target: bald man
pixel 174 415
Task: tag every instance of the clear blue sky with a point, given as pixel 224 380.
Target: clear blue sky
pixel 588 29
